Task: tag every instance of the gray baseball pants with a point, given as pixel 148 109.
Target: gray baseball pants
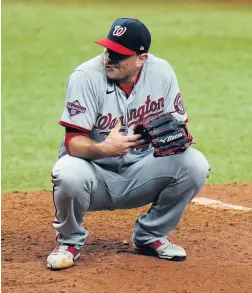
pixel 169 183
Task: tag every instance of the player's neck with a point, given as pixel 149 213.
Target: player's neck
pixel 130 81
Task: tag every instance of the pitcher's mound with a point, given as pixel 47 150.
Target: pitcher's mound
pixel 218 243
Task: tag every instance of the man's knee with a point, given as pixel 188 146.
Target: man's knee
pixel 72 174
pixel 197 169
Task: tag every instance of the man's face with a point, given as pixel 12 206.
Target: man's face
pixel 120 67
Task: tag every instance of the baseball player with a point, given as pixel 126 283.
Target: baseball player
pixel 105 164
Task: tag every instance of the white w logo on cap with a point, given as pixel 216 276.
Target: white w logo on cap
pixel 119 31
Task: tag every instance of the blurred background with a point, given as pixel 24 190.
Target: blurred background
pixel 209 44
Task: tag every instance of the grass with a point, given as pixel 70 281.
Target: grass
pixel 209 46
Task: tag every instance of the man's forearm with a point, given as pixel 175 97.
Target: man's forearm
pixel 86 148
pixel 115 145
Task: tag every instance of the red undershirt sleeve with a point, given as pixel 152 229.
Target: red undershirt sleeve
pixel 71 133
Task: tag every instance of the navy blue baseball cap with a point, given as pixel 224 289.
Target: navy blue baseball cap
pixel 127 36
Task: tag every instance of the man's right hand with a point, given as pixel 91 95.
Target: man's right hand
pixel 118 145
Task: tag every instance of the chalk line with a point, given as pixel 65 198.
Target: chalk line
pixel 217 204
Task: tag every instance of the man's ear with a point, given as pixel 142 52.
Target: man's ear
pixel 141 59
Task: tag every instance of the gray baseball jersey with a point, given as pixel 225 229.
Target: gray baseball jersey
pixel 93 103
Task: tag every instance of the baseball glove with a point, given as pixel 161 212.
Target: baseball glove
pixel 167 135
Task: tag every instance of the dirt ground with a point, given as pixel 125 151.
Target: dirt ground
pixel 218 243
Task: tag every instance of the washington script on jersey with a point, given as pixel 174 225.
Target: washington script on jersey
pixel 107 121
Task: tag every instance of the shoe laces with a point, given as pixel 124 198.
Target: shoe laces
pixel 60 248
pixel 166 241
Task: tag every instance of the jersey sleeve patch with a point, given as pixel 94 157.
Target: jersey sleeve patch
pixel 179 105
pixel 74 108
